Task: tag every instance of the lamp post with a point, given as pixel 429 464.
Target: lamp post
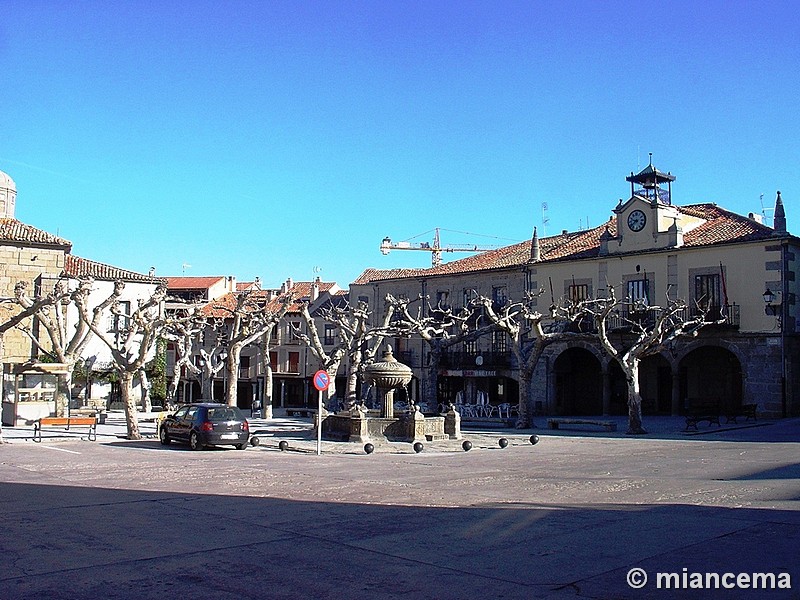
pixel 776 310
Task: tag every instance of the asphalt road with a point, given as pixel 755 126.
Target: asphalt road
pixel 566 518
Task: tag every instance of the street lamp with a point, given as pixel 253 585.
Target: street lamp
pixel 771 308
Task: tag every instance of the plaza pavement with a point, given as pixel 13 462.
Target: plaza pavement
pixel 569 517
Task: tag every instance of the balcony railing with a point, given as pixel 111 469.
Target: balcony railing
pixel 476 360
pixel 721 316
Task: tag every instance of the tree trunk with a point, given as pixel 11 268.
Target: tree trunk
pixel 232 374
pixel 63 392
pixel 351 393
pixel 144 382
pixel 267 393
pixel 523 416
pixel 631 371
pixel 129 403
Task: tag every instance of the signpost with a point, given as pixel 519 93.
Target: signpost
pixel 321 382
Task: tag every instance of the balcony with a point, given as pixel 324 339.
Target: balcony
pixel 717 316
pixel 458 359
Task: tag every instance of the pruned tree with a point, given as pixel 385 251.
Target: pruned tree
pixel 357 340
pixel 249 315
pixel 131 339
pixel 66 340
pixel 647 337
pixel 529 337
pixel 187 330
pixel 440 328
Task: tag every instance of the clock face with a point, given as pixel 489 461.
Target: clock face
pixel 636 220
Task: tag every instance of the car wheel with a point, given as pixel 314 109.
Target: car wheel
pixel 163 436
pixel 240 446
pixel 194 441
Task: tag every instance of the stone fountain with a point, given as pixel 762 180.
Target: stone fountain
pixel 362 425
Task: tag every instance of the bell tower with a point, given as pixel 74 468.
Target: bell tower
pixel 8 196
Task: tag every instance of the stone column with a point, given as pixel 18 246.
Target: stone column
pixel 452 423
pixel 676 393
pixel 387 408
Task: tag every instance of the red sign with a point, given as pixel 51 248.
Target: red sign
pixel 321 380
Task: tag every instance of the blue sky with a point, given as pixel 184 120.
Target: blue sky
pixel 286 139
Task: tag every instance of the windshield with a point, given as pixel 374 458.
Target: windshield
pixel 225 413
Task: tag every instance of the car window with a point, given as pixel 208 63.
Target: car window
pixel 191 414
pixel 181 412
pixel 225 413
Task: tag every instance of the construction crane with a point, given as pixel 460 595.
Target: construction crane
pixel 435 249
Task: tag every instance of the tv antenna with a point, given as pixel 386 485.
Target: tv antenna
pixel 545 219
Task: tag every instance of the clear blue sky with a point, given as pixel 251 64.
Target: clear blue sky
pixel 286 139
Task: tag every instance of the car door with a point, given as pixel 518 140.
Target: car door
pixel 182 424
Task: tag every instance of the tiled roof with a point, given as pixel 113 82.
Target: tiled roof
pixel 74 266
pixel 12 230
pixel 300 291
pixel 721 227
pixel 192 283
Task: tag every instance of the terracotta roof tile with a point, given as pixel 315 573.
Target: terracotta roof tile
pixel 76 267
pixel 192 283
pixel 12 230
pixel 721 227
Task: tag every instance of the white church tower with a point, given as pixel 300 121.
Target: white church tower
pixel 8 196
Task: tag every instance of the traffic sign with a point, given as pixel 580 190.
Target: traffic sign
pixel 321 380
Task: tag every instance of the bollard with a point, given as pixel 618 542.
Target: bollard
pixel 283 445
pixel 467 445
pixel 418 447
pixel 534 439
pixel 369 448
pixel 503 442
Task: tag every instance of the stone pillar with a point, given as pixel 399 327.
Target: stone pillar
pixel 358 426
pixel 387 408
pixel 606 391
pixel 452 423
pixel 418 423
pixel 676 393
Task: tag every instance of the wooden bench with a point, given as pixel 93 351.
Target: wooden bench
pixel 748 411
pixel 556 423
pixel 65 422
pixel 300 411
pixel 700 410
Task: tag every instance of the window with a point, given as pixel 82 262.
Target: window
pixel 468 296
pixel 707 292
pixel 578 292
pixel 638 292
pixel 329 337
pixel 499 341
pixel 471 347
pixel 442 299
pixel 120 319
pixel 273 361
pixel 294 362
pixel 499 295
pixel 294 326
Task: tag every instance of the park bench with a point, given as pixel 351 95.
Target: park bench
pixel 702 410
pixel 748 411
pixel 65 422
pixel 301 411
pixel 556 423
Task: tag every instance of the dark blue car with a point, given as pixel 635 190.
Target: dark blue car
pixel 206 424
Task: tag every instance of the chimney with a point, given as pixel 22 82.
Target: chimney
pixel 779 223
pixel 315 289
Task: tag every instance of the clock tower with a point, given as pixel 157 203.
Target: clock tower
pixel 648 220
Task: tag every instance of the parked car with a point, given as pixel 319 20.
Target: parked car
pixel 206 424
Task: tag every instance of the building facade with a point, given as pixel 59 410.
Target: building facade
pixel 740 272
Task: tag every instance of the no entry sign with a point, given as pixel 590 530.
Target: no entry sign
pixel 321 380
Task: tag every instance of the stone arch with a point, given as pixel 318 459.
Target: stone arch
pixel 655 384
pixel 711 372
pixel 578 379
